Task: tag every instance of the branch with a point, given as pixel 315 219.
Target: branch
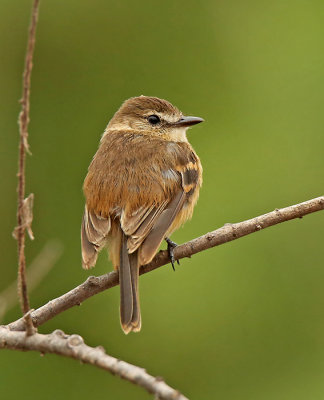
pixel 73 346
pixel 227 233
pixel 24 211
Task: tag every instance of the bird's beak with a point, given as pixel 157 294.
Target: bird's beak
pixel 188 121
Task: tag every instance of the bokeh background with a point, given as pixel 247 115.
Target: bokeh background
pixel 241 321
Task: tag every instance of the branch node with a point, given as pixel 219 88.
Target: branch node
pixel 101 348
pixel 30 328
pixel 159 379
pixel 229 224
pixel 75 340
pixel 26 213
pixel 92 281
pixel 60 333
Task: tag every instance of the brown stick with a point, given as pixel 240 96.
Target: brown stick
pixel 23 147
pixel 227 233
pixel 73 346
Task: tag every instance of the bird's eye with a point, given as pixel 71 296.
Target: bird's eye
pixel 153 119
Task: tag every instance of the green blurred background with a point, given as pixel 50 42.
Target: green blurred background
pixel 241 321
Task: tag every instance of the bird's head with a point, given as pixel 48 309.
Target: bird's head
pixel 152 116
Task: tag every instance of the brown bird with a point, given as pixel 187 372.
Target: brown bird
pixel 142 185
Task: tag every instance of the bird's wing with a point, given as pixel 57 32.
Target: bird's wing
pixel 147 226
pixel 161 225
pixel 94 231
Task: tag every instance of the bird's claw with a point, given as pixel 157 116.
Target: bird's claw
pixel 171 246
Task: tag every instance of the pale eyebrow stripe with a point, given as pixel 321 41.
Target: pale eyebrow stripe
pixel 170 118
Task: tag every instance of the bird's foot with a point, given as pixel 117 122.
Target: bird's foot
pixel 171 246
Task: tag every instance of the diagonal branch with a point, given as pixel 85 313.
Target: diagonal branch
pixel 73 346
pixel 24 212
pixel 227 233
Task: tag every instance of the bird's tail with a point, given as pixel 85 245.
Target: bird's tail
pixel 130 313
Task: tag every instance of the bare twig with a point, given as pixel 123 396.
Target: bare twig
pixel 227 233
pixel 24 213
pixel 73 346
pixel 36 272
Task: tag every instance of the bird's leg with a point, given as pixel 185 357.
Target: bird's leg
pixel 171 246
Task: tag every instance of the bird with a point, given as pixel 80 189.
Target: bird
pixel 142 184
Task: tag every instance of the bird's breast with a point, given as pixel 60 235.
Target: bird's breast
pixel 131 170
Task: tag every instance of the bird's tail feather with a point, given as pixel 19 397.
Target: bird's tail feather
pixel 130 314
